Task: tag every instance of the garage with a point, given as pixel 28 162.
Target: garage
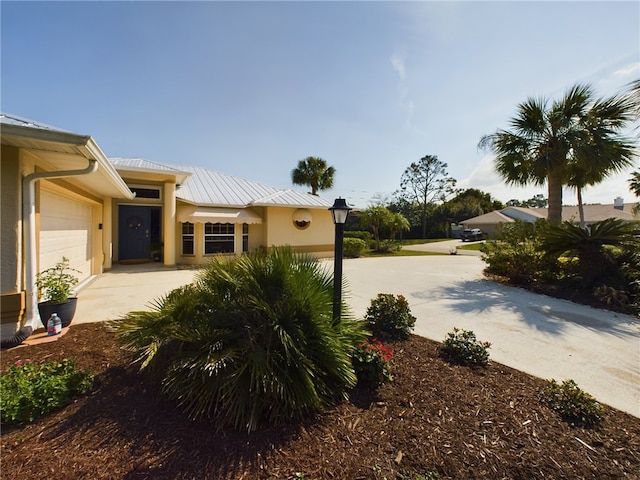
pixel 65 231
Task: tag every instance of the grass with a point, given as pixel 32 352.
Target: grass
pixel 471 246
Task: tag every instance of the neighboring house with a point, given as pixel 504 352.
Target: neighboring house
pixel 62 197
pixel 491 222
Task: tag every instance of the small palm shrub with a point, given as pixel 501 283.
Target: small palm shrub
pixel 353 247
pixel 391 316
pixel 371 363
pixel 572 403
pixel 251 339
pixel 462 347
pixel 31 390
pixel 595 247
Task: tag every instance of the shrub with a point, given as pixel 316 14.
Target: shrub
pixel 361 234
pixel 371 363
pixel 353 247
pixel 516 254
pixel 572 403
pixel 31 390
pixel 252 339
pixel 390 315
pixel 618 299
pixel 461 346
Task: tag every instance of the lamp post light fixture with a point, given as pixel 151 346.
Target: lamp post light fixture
pixel 339 211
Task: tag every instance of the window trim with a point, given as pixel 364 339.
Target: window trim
pixel 209 238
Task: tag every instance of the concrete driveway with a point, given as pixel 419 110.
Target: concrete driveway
pixel 540 335
pixel 543 336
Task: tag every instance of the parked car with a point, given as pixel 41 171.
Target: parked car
pixel 472 234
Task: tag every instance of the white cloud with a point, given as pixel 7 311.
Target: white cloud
pixel 630 70
pixel 398 65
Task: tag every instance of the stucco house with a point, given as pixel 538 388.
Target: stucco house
pixel 490 222
pixel 63 197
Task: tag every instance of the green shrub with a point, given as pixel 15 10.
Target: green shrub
pixel 353 247
pixel 517 255
pixel 371 363
pixel 391 316
pixel 572 403
pixel 252 339
pixel 361 234
pixel 461 346
pixel 31 390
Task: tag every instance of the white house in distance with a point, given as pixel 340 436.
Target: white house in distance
pixel 62 197
pixel 490 222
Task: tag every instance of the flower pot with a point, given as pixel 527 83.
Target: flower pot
pixel 65 311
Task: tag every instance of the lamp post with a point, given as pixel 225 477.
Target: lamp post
pixel 339 212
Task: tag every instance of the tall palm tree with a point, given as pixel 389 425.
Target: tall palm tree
pixel 314 172
pixel 573 141
pixel 634 186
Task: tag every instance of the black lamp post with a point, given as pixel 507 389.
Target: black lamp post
pixel 339 212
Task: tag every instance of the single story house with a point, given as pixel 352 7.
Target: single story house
pixel 490 222
pixel 63 197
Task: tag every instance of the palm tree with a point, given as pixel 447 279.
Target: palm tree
pixel 634 186
pixel 574 141
pixel 398 223
pixel 315 172
pixel 376 217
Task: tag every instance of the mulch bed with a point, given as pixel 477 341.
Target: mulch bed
pixel 460 422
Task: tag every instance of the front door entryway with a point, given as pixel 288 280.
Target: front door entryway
pixel 139 232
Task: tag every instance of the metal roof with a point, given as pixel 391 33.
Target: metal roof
pixel 9 119
pixel 210 188
pixel 59 149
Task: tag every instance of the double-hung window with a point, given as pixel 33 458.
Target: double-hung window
pixel 187 239
pixel 218 238
pixel 245 237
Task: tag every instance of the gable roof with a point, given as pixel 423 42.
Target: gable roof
pixel 61 150
pixel 495 216
pixel 592 213
pixel 209 188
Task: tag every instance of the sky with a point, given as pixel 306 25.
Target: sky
pixel 250 88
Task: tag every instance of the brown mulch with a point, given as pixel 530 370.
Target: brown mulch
pixel 460 422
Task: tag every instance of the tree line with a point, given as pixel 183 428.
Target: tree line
pixel 577 141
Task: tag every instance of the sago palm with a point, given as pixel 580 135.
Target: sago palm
pixel 252 339
pixel 588 244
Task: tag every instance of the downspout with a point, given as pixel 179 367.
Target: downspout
pixel 29 219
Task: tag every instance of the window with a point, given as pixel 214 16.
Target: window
pixel 218 238
pixel 245 237
pixel 187 238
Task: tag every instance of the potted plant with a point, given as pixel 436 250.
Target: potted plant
pixel 54 287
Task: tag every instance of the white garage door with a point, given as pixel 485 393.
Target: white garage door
pixel 65 231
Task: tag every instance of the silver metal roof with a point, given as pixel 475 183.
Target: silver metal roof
pixel 142 165
pixel 9 119
pixel 210 188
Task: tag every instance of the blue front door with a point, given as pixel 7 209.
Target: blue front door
pixel 134 232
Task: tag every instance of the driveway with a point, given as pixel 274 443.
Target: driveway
pixel 543 336
pixel 540 335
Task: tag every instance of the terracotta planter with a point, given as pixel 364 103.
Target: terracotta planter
pixel 65 311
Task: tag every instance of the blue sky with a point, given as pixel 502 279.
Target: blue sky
pixel 250 88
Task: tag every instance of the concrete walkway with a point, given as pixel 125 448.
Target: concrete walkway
pixel 543 336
